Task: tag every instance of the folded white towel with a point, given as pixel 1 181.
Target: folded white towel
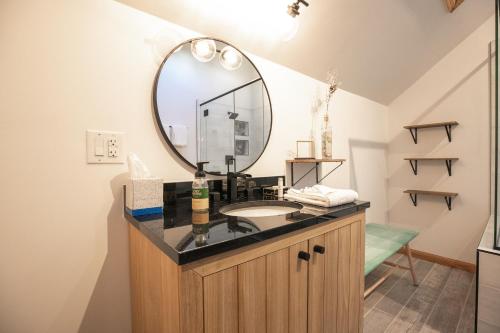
pixel 292 197
pixel 322 195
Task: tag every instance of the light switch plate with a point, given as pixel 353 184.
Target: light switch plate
pixel 105 147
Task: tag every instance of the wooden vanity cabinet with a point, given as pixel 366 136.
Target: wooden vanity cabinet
pixel 308 281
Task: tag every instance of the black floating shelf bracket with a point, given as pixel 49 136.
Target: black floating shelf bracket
pixel 448 166
pixel 414 166
pixel 448 202
pixel 413 197
pixel 328 174
pixel 315 167
pixel 447 126
pixel 448 131
pixel 308 172
pixel 448 199
pixel 414 133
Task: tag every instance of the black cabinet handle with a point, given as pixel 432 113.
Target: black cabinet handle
pixel 304 255
pixel 319 249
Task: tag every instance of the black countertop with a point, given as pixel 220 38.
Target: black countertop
pixel 174 232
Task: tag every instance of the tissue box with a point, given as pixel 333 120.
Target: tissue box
pixel 144 196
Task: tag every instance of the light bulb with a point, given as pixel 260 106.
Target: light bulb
pixel 287 26
pixel 203 49
pixel 230 58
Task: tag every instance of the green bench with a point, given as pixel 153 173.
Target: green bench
pixel 381 242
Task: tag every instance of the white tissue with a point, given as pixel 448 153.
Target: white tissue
pixel 142 190
pixel 137 168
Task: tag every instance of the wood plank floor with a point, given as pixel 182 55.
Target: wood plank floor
pixel 443 302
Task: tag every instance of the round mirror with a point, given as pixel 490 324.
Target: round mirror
pixel 212 104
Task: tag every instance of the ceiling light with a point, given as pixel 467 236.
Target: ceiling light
pixel 289 24
pixel 293 9
pixel 203 49
pixel 230 58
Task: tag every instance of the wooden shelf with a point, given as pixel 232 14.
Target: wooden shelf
pixel 316 163
pixel 312 160
pixel 431 158
pixel 414 162
pixel 436 193
pixel 430 125
pixel 447 126
pixel 448 196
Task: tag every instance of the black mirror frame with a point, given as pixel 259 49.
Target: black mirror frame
pixel 157 113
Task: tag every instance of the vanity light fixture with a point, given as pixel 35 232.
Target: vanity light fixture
pixel 230 58
pixel 290 24
pixel 293 9
pixel 203 50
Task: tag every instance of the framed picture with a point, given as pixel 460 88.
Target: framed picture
pixel 241 148
pixel 241 128
pixel 305 149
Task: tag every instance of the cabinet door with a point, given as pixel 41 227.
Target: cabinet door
pixel 356 277
pixel 349 282
pixel 252 296
pixel 220 301
pixel 316 287
pixel 277 291
pixel 343 279
pixel 331 280
pixel 298 289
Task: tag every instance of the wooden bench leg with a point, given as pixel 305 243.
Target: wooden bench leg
pixel 379 281
pixel 410 263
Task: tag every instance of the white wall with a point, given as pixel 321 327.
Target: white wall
pixel 68 66
pixel 456 88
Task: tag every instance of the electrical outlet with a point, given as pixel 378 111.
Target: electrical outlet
pixel 113 148
pixel 105 147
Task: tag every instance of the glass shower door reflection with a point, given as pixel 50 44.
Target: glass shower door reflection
pixel 234 127
pixel 216 139
pixel 252 123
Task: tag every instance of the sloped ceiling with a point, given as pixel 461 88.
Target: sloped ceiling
pixel 379 48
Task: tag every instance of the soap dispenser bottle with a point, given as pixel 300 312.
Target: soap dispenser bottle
pixel 200 190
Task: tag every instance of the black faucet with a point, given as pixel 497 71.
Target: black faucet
pixel 232 184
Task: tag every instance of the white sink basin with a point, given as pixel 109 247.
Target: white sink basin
pixel 261 208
